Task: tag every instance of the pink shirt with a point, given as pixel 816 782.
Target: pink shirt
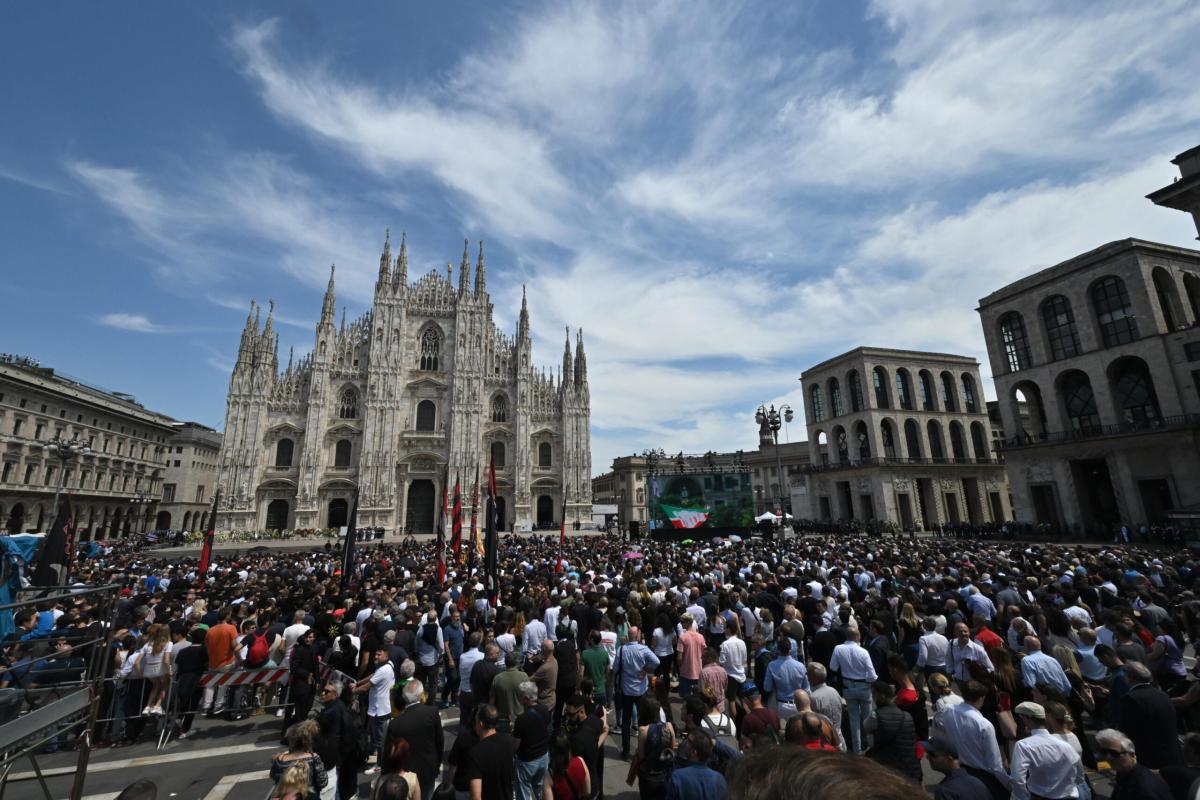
pixel 691 654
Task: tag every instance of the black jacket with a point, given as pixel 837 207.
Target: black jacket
pixel 421 725
pixel 1148 718
pixel 895 742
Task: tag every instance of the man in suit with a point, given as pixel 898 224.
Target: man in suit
pixel 1148 718
pixel 421 725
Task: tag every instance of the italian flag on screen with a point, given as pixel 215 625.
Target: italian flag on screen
pixel 684 517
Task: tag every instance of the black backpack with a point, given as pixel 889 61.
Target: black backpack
pixel 429 633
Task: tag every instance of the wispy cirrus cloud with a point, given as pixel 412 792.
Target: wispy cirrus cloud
pixel 136 323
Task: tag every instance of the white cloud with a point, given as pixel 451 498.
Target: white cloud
pixel 138 323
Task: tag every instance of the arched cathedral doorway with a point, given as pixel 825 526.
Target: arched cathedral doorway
pixel 420 507
pixel 545 510
pixel 277 515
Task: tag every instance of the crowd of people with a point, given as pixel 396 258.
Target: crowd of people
pixel 732 669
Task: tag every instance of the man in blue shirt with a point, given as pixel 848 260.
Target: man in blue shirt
pixel 1037 667
pixel 784 676
pixel 695 780
pixel 635 663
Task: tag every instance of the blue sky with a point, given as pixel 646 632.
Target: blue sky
pixel 720 194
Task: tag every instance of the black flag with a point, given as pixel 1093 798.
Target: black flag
pixel 351 536
pixel 210 535
pixel 491 541
pixel 55 564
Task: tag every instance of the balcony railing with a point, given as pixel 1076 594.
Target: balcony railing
pixel 1135 428
pixel 887 461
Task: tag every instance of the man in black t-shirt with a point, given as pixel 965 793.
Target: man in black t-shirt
pixel 587 733
pixel 489 764
pixel 532 739
pixel 464 743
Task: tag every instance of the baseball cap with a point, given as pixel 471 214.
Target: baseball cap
pixel 749 689
pixel 940 745
pixel 1028 709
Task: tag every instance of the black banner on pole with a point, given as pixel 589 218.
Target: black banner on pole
pixel 351 539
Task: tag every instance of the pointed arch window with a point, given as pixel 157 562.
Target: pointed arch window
pixel 545 455
pixel 431 348
pixel 348 403
pixel 856 393
pixel 499 408
pixel 283 452
pixel 1114 311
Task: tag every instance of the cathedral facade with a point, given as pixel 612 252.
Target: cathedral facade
pixel 420 390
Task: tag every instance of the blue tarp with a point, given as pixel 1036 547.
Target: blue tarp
pixel 17 552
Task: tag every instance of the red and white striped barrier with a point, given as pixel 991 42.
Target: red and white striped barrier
pixel 243 677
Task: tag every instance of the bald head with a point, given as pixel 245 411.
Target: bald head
pixel 803 700
pixel 1033 644
pixel 635 634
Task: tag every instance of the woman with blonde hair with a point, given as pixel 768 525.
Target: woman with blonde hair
pixel 301 739
pixel 155 666
pixel 292 785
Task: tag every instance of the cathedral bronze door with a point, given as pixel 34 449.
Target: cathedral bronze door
pixel 420 507
pixel 545 511
pixel 339 512
pixel 277 515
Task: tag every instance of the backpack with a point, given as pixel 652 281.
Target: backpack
pixel 722 732
pixel 259 650
pixel 660 758
pixel 429 633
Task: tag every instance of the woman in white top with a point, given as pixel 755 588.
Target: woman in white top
pixel 155 666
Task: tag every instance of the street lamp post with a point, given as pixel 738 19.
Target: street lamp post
pixel 141 500
pixel 65 451
pixel 775 420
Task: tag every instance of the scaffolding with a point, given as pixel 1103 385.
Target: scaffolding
pixel 32 717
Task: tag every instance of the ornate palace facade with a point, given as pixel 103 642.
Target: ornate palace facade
pixel 422 386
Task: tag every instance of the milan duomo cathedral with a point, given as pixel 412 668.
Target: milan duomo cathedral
pixel 421 387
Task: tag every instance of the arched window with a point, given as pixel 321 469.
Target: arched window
pixel 979 442
pixel 823 446
pixel 835 398
pixel 545 454
pixel 949 395
pixel 283 452
pixel 1031 412
pixel 957 445
pixel 1133 391
pixel 843 445
pixel 818 409
pixel 1060 327
pixel 863 440
pixel 348 403
pixel 277 515
pixel 970 403
pixel 1015 341
pixel 912 438
pixel 431 347
pixel 1114 312
pixel 856 394
pixel 1191 285
pixel 1079 402
pixel 904 389
pixel 880 378
pixel 889 440
pixel 426 415
pixel 925 381
pixel 934 432
pixel 498 454
pixel 499 408
pixel 1168 298
pixel 341 453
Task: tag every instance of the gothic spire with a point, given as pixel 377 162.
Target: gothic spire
pixel 400 276
pixel 342 329
pixel 269 328
pixel 480 273
pixel 580 361
pixel 464 270
pixel 385 259
pixel 291 353
pixel 327 307
pixel 523 324
pixel 566 365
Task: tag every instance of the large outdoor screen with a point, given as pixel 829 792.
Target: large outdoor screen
pixel 720 500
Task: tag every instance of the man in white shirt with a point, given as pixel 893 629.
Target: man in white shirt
pixel 978 750
pixel 733 659
pixel 697 611
pixel 531 641
pixel 852 661
pixel 933 649
pixel 964 649
pixel 379 703
pixel 1043 765
pixel 290 635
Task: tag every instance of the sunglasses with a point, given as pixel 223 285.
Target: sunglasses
pixel 1104 751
